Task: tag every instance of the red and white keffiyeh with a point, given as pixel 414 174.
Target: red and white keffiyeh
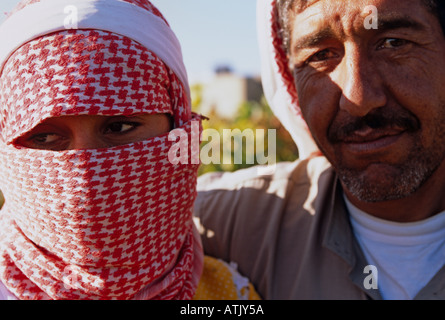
pixel 278 83
pixel 111 223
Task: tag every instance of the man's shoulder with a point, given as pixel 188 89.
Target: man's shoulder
pixel 253 218
pixel 277 176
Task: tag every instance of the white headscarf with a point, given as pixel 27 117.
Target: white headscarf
pixel 278 83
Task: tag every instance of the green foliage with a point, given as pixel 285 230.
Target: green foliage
pixel 251 115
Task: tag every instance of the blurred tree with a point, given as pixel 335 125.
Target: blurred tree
pixel 250 116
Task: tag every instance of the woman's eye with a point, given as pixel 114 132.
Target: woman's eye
pixel 45 138
pixel 121 127
pixel 48 141
pixel 392 43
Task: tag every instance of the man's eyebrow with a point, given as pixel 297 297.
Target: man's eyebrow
pixel 384 24
pixel 392 23
pixel 313 39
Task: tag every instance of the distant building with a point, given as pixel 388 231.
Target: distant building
pixel 227 91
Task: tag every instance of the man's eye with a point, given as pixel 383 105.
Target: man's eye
pixel 392 43
pixel 322 56
pixel 121 127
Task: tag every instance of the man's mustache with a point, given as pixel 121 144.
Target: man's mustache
pixel 379 119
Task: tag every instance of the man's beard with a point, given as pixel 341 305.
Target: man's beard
pixel 395 181
pixel 400 182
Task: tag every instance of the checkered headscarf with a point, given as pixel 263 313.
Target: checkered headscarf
pixel 112 223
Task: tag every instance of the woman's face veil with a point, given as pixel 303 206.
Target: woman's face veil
pixel 111 223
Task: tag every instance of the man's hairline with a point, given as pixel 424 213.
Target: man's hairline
pixel 293 10
pixel 389 22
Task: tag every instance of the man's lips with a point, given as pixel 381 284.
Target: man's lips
pixel 379 133
pixel 371 140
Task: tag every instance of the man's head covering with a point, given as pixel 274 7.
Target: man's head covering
pixel 278 83
pixel 111 223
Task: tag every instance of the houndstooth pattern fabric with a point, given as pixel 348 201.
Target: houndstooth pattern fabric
pixel 111 223
pixel 84 72
pixel 103 223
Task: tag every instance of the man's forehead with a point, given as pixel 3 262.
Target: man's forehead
pixel 300 5
pixel 323 19
pixel 318 11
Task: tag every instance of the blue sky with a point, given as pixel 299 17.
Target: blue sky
pixel 212 33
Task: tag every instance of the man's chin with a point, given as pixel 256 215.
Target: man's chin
pixel 382 182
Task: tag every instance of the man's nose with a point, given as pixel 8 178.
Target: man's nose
pixel 361 84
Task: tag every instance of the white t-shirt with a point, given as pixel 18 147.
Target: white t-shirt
pixel 5 294
pixel 406 255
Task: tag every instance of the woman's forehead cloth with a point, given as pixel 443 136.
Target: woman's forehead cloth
pixel 83 73
pixel 120 17
pixel 51 71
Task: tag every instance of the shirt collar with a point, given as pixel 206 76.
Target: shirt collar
pixel 340 239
